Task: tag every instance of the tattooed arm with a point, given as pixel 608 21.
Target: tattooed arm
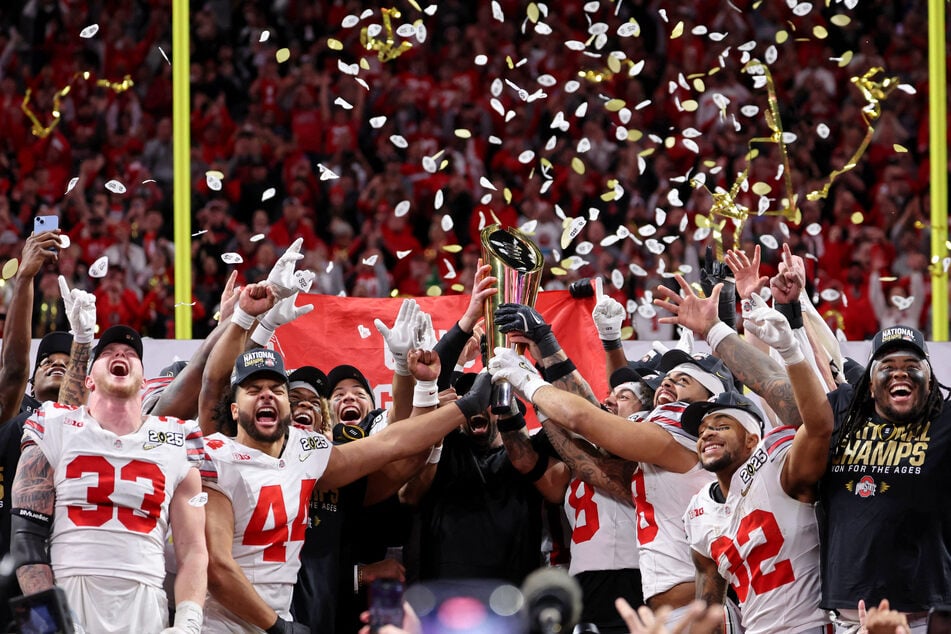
pixel 73 389
pixel 572 382
pixel 711 587
pixel 554 481
pixel 33 490
pixel 609 474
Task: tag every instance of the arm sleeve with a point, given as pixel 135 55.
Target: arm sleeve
pixel 449 347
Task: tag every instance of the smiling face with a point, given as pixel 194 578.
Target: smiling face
pixel 49 376
pixel 899 383
pixel 350 402
pixel 262 409
pixel 723 444
pixel 305 408
pixel 627 402
pixel 678 386
pixel 117 371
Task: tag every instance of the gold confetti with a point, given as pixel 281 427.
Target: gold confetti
pixel 846 59
pixel 433 291
pixel 820 32
pixel 761 189
pixel 577 165
pixel 690 105
pixel 42 131
pixel 627 332
pixel 10 268
pixel 386 48
pixel 678 31
pixel 840 19
pixel 557 270
pixel 452 248
pixel 462 133
pixel 857 218
pixel 782 36
pixel 899 148
pixel 334 44
pixel 458 287
pixel 282 55
pixel 532 12
pixel 614 105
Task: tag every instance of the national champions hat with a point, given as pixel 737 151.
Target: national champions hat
pixel 895 337
pixel 259 361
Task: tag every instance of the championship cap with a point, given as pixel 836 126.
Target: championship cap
pixel 342 372
pixel 52 343
pixel 706 369
pixel 309 377
pixel 731 403
pixel 118 334
pixel 258 361
pixel 895 337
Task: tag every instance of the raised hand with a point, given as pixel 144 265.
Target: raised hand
pixel 401 337
pixel 772 328
pixel 483 287
pixel 283 279
pixel 689 311
pixel 423 364
pixel 80 311
pixel 746 272
pixel 283 312
pixel 528 321
pixel 790 280
pixel 37 251
pixel 608 314
pixel 508 365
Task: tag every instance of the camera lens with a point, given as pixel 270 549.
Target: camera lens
pixel 582 288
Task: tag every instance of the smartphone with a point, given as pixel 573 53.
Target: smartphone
pixel 939 620
pixel 45 223
pixel 45 612
pixel 386 603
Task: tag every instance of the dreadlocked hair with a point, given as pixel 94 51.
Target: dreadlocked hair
pixel 221 414
pixel 862 406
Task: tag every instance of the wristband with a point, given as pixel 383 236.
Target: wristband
pixel 792 312
pixel 242 318
pixel 425 394
pixel 536 472
pixel 188 617
pixel 261 335
pixel 512 423
pixel 548 345
pixel 532 386
pixel 559 370
pixel 717 334
pixel 434 455
pixel 611 344
pixel 793 355
pixel 83 337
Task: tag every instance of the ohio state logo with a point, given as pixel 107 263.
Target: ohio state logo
pixel 866 487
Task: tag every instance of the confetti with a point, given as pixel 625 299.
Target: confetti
pixel 617 279
pixel 462 133
pixel 282 55
pixel 213 182
pixel 402 208
pixel 71 184
pixel 64 241
pixel 829 295
pixel 399 141
pixel 814 229
pixel 10 268
pixel 99 268
pixel 115 187
pixel 232 258
pixel 350 21
pixel 363 331
pixel 343 103
pixel 89 31
pixel 768 241
pixel 377 122
pixel 265 34
pixel 438 200
pixel 256 237
pixel 402 254
pixel 268 194
pixel 326 174
pixel 446 223
pixel 370 261
pixel 572 231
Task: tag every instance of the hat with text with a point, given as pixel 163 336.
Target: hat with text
pixel 732 404
pixel 896 337
pixel 255 362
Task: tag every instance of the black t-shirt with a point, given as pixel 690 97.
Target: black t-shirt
pixel 886 515
pixel 480 518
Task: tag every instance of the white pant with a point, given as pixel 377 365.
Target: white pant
pixel 104 605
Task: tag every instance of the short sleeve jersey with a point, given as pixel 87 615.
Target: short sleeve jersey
pixel 661 497
pixel 270 497
pixel 602 530
pixel 886 514
pixel 112 492
pixel 764 542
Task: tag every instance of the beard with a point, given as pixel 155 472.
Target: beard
pixel 246 422
pixel 718 464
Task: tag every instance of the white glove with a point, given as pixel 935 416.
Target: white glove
pixel 80 311
pixel 608 314
pixel 686 340
pixel 402 337
pixel 507 365
pixel 771 327
pixel 283 312
pixel 283 279
pixel 425 337
pixel 188 619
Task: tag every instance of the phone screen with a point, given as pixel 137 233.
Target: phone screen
pixel 386 603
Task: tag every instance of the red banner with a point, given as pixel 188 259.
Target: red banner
pixel 340 331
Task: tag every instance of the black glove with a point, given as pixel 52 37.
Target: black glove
pixel 287 627
pixel 713 273
pixel 528 321
pixel 476 401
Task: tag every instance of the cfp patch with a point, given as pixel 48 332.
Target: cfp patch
pixel 311 443
pixel 866 487
pixel 166 437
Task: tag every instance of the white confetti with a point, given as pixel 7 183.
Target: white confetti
pixel 343 103
pixel 629 29
pixel 768 241
pixel 814 229
pixel 446 223
pixel 437 200
pixel 617 278
pixel 256 237
pixel 823 131
pixel 164 55
pixel 636 270
pixel 71 184
pixel 363 330
pixel 654 246
pixel 406 30
pixel 529 227
pixel 646 311
pixel 647 230
pixel 402 254
pixel 64 241
pixel 89 31
pixel 547 80
pixel 584 248
pixel 572 231
pixel 481 60
pixel 399 141
pixel 232 258
pixel 268 194
pixel 829 295
pixel 902 303
pixel 374 29
pixel 202 498
pixel 350 21
pixel 450 270
pixel 99 268
pixel 572 86
pixel 348 69
pixel 485 182
pixel 370 261
pixel 377 122
pixel 326 174
pixel 213 182
pixel 264 36
pixel 497 11
pixel 402 208
pixel 673 197
pixel 115 187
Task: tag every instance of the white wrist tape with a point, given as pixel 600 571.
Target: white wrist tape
pixel 189 616
pixel 717 334
pixel 426 394
pixel 242 318
pixel 434 455
pixel 261 335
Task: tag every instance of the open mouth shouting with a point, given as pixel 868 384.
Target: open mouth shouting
pixel 665 395
pixel 350 413
pixel 303 416
pixel 119 367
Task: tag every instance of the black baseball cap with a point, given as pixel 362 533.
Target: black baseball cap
pixel 710 371
pixel 309 377
pixel 258 361
pixel 172 370
pixel 731 403
pixel 896 337
pixel 118 334
pixel 52 343
pixel 636 372
pixel 342 372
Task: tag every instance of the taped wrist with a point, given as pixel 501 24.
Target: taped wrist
pixel 717 334
pixel 512 423
pixel 242 318
pixel 189 616
pixel 611 344
pixel 559 370
pixel 548 345
pixel 29 531
pixel 792 312
pixel 425 394
pixel 536 472
pixel 261 335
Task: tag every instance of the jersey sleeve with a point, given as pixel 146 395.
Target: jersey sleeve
pixel 210 458
pixel 194 443
pixel 778 440
pixel 43 428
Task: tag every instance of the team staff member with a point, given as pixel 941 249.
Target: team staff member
pixel 117 481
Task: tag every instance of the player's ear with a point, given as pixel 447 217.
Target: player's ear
pixel 88 382
pixel 234 411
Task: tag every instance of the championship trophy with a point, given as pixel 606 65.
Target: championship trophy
pixel 517 263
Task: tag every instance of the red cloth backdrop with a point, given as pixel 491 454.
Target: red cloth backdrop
pixel 340 331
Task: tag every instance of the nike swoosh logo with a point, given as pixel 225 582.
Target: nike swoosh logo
pixel 305 456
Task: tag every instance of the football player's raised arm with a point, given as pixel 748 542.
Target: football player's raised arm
pixel 226 581
pixel 33 497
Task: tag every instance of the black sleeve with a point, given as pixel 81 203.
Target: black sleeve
pixel 449 347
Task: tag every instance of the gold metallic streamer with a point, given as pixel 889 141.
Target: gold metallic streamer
pixel 43 131
pixel 386 48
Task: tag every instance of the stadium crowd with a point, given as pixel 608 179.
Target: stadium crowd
pixel 379 177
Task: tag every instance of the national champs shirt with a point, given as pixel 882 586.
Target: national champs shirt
pixel 270 497
pixel 602 530
pixel 661 497
pixel 764 542
pixel 886 515
pixel 112 492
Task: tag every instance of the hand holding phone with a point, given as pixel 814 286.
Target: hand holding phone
pixel 386 603
pixel 45 223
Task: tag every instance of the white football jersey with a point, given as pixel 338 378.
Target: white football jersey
pixel 661 497
pixel 765 543
pixel 602 530
pixel 112 492
pixel 270 497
